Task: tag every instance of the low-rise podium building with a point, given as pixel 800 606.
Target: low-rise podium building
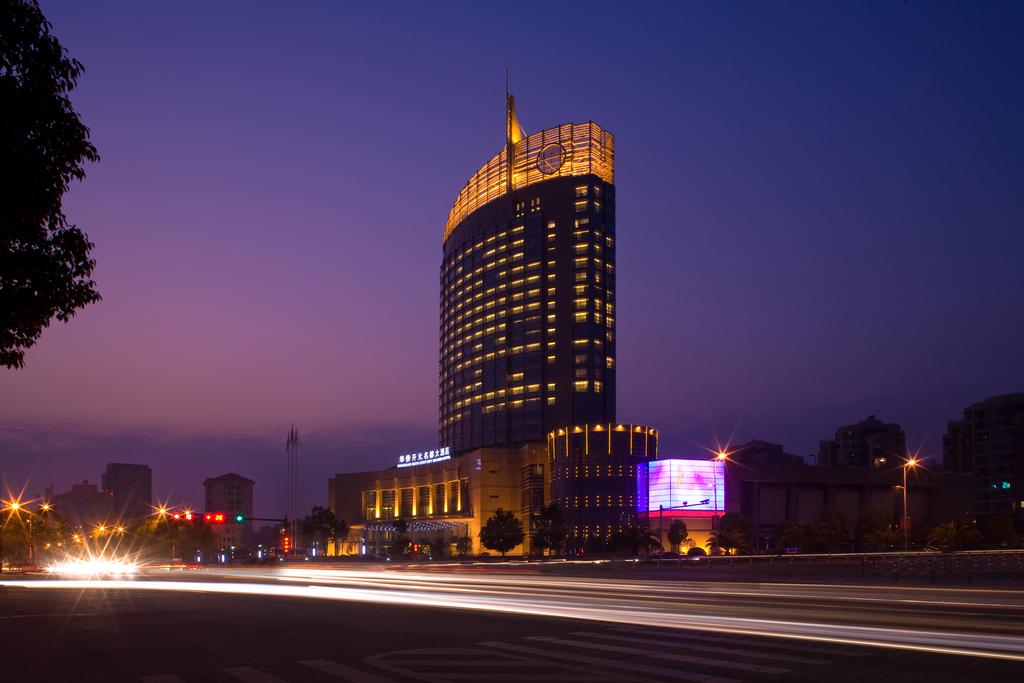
pixel 438 497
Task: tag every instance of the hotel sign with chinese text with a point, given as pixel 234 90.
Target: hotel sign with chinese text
pixel 425 458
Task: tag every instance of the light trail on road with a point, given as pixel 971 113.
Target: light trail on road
pixel 967 622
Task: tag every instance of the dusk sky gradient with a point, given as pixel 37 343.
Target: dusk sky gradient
pixel 820 216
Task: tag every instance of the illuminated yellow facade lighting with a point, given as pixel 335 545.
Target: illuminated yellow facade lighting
pixel 586 149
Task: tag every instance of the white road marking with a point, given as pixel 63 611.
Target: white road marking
pixel 465 663
pixel 490 676
pixel 750 641
pixel 448 658
pixel 701 647
pixel 64 615
pixel 648 652
pixel 247 674
pixel 634 667
pixel 343 672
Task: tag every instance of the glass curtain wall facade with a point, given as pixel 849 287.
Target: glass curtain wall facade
pixel 527 324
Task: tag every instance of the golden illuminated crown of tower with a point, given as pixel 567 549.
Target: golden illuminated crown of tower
pixel 571 149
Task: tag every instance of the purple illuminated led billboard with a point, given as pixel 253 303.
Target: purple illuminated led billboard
pixel 682 486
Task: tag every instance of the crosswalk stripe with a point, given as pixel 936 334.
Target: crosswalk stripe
pixel 161 678
pixel 465 663
pixel 647 652
pixel 247 674
pixel 489 676
pixel 757 641
pixel 653 640
pixel 600 661
pixel 343 672
pixel 434 660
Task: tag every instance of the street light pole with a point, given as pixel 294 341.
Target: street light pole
pixel 905 541
pixel 910 462
pixel 721 456
pixel 661 526
pixel 10 507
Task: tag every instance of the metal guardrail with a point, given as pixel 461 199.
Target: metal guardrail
pixel 869 555
pixel 895 564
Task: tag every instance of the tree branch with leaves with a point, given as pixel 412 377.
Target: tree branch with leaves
pixel 45 261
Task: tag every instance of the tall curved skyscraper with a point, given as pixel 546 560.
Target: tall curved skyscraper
pixel 527 336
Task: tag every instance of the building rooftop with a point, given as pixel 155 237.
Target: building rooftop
pixel 572 149
pixel 230 476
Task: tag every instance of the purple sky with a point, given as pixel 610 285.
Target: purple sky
pixel 820 216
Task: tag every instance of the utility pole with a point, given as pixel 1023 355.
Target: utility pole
pixel 292 450
pixel 661 526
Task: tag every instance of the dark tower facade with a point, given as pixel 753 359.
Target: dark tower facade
pixel 131 489
pixel 989 444
pixel 594 470
pixel 527 329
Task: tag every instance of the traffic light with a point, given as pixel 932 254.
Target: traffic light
pixel 239 518
pixel 286 544
pixel 214 517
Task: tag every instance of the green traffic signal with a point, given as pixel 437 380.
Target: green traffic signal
pixel 239 518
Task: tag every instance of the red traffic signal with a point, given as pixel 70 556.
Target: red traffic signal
pixel 214 517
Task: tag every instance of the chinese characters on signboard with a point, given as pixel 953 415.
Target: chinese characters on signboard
pixel 425 457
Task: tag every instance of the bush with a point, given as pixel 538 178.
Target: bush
pixel 696 551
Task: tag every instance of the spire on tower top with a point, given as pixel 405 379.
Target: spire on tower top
pixel 513 131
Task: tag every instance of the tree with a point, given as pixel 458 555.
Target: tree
pixel 502 532
pixel 322 527
pixel 45 262
pixel 731 534
pixel 438 548
pixel 402 545
pixel 548 529
pixel 635 539
pixel 952 536
pixel 875 531
pixel 999 531
pixel 790 534
pixel 881 539
pixel 188 539
pixel 831 530
pixel 155 538
pixel 677 534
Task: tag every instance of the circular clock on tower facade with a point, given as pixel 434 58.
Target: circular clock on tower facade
pixel 550 158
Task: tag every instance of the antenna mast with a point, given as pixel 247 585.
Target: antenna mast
pixel 292 450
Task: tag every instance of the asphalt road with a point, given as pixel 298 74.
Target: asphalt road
pixel 376 624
